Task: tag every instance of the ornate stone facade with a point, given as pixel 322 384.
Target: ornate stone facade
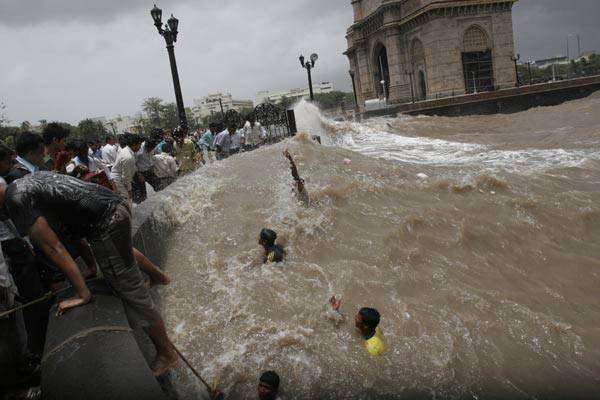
pixel 425 49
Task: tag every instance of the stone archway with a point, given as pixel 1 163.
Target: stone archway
pixel 477 60
pixel 382 70
pixel 417 53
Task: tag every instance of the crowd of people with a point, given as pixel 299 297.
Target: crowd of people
pixel 62 200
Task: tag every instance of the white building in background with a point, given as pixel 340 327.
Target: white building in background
pixel 558 60
pixel 210 104
pixel 294 94
pixel 121 124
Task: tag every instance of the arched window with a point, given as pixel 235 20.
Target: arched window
pixel 475 39
pixel 381 69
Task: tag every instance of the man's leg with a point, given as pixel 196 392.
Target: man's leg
pixel 116 259
pixel 157 277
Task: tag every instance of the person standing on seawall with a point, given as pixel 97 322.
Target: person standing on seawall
pixel 44 202
pixel 223 141
pixel 125 168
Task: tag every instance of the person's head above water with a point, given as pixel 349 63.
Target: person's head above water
pixel 367 320
pixel 268 385
pixel 267 237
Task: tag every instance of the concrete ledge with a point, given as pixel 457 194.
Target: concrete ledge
pixel 499 101
pixel 91 353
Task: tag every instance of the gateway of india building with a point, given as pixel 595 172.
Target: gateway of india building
pixel 425 49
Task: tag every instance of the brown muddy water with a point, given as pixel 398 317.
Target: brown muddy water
pixel 477 238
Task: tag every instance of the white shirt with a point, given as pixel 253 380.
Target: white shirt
pixel 237 139
pixel 223 140
pixel 109 154
pixel 123 171
pixel 30 167
pixel 165 166
pixel 94 165
pixel 144 161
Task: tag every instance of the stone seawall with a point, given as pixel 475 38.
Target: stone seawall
pixel 498 102
pixel 91 352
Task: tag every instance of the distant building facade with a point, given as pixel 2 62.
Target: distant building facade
pixel 120 124
pixel 430 48
pixel 211 104
pixel 294 94
pixel 546 62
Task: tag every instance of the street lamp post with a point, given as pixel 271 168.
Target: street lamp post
pixel 516 59
pixel 354 89
pixel 529 67
pixel 308 66
pixel 170 34
pixel 221 105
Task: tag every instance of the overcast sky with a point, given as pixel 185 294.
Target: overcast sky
pixel 71 59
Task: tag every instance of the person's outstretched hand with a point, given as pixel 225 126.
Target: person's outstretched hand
pixel 335 303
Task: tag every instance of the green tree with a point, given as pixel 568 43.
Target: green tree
pixel 25 126
pixel 207 120
pixel 3 118
pixel 169 118
pixel 89 129
pixel 334 99
pixel 287 102
pixel 10 141
pixel 152 107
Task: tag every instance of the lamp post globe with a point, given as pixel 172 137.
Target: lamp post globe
pixel 308 66
pixel 169 33
pixel 157 16
pixel 173 24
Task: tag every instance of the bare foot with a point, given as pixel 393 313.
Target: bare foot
pixel 161 279
pixel 163 363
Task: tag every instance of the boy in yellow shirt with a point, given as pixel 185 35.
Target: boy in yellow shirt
pixel 367 322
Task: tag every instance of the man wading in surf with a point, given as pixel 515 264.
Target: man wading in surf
pixel 366 321
pixel 274 253
pixel 299 189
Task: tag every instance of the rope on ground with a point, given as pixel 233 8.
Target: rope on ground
pixel 45 297
pixel 213 393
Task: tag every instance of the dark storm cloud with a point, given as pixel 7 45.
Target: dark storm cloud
pixel 70 59
pixel 33 12
pixel 542 26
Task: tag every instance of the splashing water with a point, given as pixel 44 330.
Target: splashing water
pixel 477 238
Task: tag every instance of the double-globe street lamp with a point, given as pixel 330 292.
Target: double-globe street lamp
pixel 170 34
pixel 308 66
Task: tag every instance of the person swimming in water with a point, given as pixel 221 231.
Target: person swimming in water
pixel 367 322
pixel 273 253
pixel 300 188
